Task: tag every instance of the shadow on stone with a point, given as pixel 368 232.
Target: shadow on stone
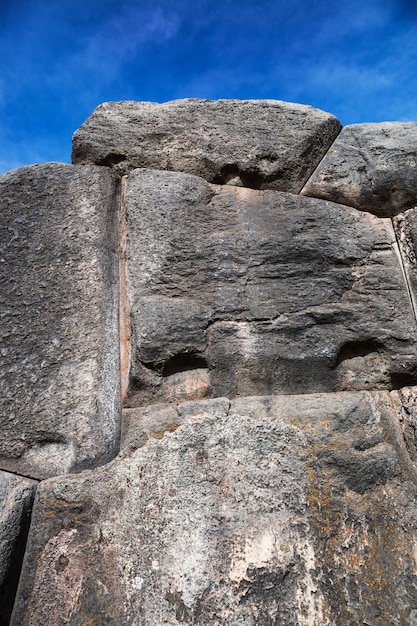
pixel 9 587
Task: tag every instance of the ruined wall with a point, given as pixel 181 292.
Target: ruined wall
pixel 209 371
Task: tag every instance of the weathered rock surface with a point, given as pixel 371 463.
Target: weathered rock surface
pixel 59 374
pixel 264 144
pixel 278 510
pixel 405 402
pixel 405 226
pixel 236 291
pixel 153 421
pixel 16 497
pixel 228 504
pixel 372 167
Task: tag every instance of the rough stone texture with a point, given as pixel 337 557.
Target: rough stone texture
pixel 372 167
pixel 264 144
pixel 153 421
pixel 405 226
pixel 405 402
pixel 59 374
pixel 236 291
pixel 16 497
pixel 297 511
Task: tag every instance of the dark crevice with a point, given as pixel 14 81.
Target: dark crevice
pixel 227 173
pixel 403 379
pixel 47 439
pixel 253 180
pixel 111 159
pixel 249 179
pixel 16 472
pixel 353 349
pixel 182 362
pixel 8 589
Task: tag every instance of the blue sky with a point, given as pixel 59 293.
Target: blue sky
pixel 61 58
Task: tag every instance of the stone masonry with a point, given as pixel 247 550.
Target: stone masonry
pixel 209 372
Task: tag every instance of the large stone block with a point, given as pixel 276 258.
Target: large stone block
pixel 264 144
pixel 372 167
pixel 59 375
pixel 274 510
pixel 16 498
pixel 236 291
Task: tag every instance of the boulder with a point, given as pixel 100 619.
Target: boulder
pixel 267 510
pixel 264 144
pixel 237 291
pixel 372 167
pixel 16 498
pixel 59 374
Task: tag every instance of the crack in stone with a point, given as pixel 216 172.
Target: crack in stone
pixel 124 307
pixel 318 165
pixel 396 434
pixel 397 246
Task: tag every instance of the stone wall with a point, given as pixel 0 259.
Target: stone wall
pixel 209 371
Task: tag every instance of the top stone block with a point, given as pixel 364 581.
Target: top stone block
pixel 261 144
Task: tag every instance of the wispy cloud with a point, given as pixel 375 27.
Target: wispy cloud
pixel 103 52
pixel 121 37
pixel 45 49
pixel 355 59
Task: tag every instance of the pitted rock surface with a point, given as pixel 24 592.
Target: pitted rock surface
pixel 59 375
pixel 372 167
pixel 264 144
pixel 237 291
pixel 271 511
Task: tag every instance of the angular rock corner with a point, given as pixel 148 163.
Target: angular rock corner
pixel 209 371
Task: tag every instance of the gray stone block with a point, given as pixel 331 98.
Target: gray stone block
pixel 405 227
pixel 264 144
pixel 275 510
pixel 59 375
pixel 236 291
pixel 372 167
